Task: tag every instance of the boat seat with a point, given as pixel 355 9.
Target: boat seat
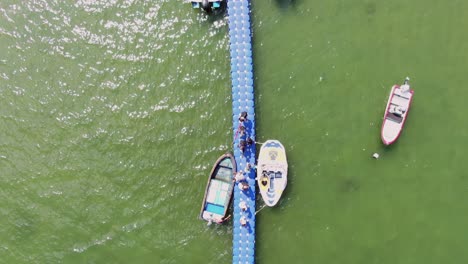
pixel 400 101
pixel 217 192
pixel 397 110
pixel 399 93
pixel 214 208
pixel 278 175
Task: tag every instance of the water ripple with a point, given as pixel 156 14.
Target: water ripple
pixel 111 114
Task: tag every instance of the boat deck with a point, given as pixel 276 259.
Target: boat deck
pixel 242 101
pixel 400 100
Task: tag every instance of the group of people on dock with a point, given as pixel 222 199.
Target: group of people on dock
pixel 240 179
pixel 244 139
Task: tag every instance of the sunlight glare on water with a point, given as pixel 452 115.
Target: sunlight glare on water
pixel 112 113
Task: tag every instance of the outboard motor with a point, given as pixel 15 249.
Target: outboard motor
pixel 407 80
pixel 206 5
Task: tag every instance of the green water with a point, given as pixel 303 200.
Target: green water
pixel 112 113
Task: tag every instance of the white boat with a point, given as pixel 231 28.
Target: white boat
pixel 272 171
pixel 396 112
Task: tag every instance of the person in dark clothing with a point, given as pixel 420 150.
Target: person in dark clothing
pixel 244 186
pixel 249 141
pixel 243 116
pixel 241 130
pixel 264 178
pixel 242 145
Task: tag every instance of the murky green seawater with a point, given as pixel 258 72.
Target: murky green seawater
pixel 112 112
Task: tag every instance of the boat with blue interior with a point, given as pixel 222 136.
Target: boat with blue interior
pixel 207 5
pixel 396 112
pixel 219 189
pixel 272 171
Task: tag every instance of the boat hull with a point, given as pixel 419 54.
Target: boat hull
pixel 219 189
pixel 394 121
pixel 272 171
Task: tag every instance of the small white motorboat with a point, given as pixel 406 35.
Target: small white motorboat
pixel 396 112
pixel 272 171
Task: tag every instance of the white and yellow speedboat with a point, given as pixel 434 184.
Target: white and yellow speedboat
pixel 272 171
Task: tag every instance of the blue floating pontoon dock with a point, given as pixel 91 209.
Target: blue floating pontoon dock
pixel 242 101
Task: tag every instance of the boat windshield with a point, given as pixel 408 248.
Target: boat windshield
pixel 224 174
pixel 394 117
pixel 226 163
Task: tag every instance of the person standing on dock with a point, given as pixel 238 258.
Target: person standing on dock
pixel 243 206
pixel 239 176
pixel 247 167
pixel 240 130
pixel 242 145
pixel 243 221
pixel 242 117
pixel 244 186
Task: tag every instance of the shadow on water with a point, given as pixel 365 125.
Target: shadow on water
pixel 387 150
pixel 286 4
pixel 370 8
pixel 349 185
pixel 217 14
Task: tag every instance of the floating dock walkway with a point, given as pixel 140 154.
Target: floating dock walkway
pixel 242 101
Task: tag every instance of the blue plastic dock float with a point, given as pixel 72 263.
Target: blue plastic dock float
pixel 242 101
